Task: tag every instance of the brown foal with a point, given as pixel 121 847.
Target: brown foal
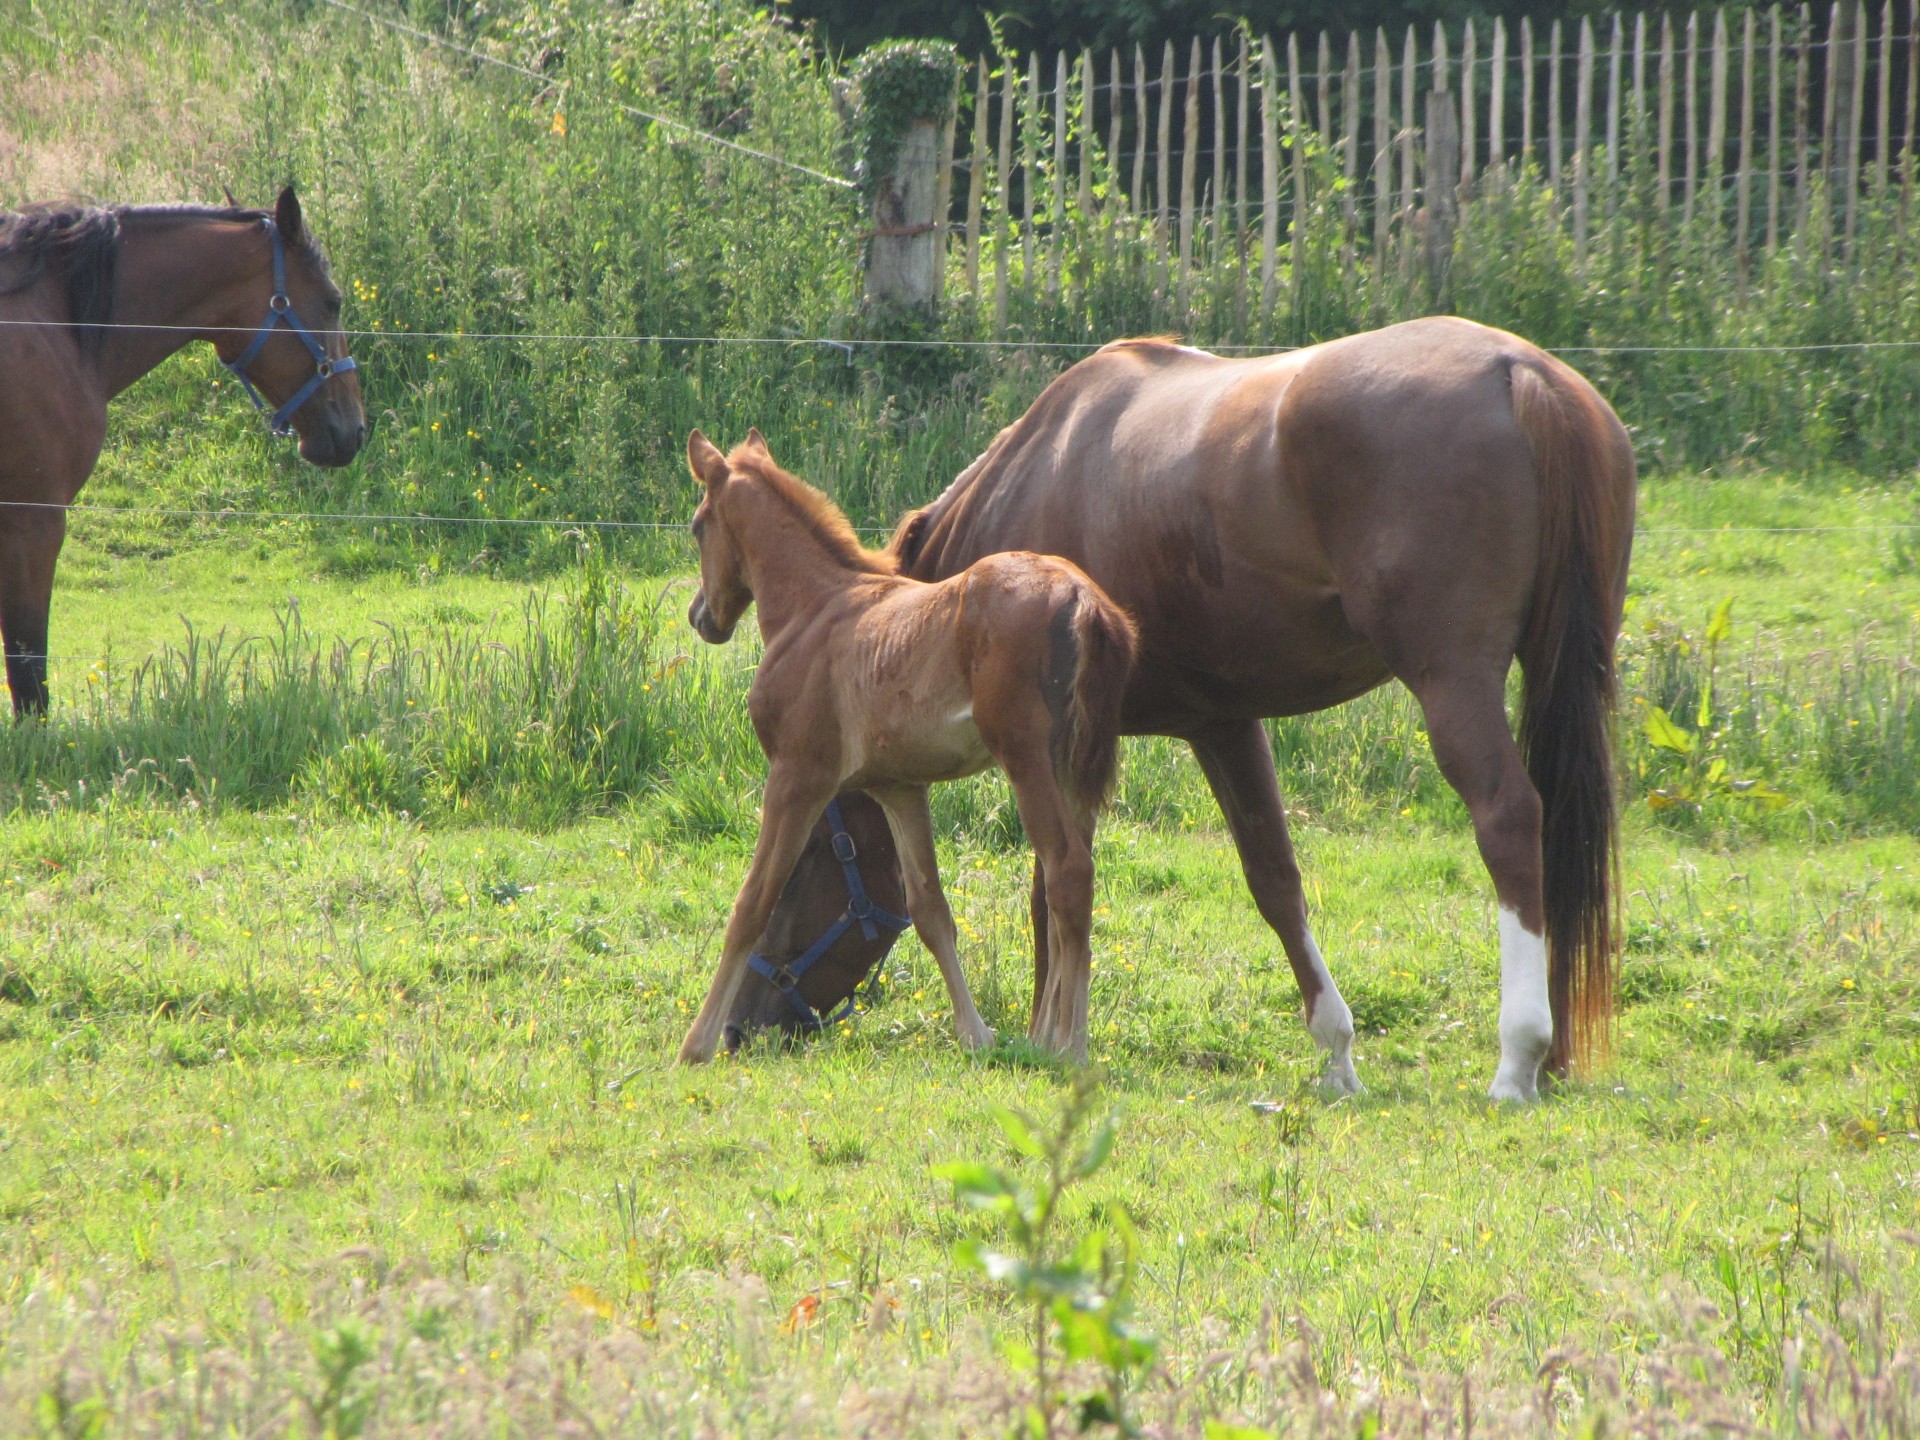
pixel 872 680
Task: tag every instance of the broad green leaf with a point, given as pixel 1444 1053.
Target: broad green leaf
pixel 1720 624
pixel 1717 771
pixel 1663 734
pixel 1221 1430
pixel 1018 1132
pixel 972 1180
pixel 1098 1148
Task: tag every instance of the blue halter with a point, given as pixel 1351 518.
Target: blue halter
pixel 860 911
pixel 280 312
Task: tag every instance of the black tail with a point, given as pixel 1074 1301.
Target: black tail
pixel 1586 470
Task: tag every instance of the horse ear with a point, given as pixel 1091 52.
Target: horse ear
pixel 227 191
pixel 759 442
pixel 286 216
pixel 709 466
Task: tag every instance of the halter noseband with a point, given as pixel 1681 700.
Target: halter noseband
pixel 860 911
pixel 280 312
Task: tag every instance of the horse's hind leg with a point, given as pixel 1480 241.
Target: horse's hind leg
pixel 906 807
pixel 1037 914
pixel 1467 719
pixel 29 546
pixel 787 812
pixel 1238 763
pixel 1063 852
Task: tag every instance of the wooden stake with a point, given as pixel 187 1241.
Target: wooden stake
pixel 1742 205
pixel 1382 145
pixel 1526 90
pixel 1323 111
pixel 1582 141
pixel 1163 236
pixel 1616 63
pixel 1716 160
pixel 1773 130
pixel 1297 227
pixel 1003 212
pixel 1269 175
pixel 977 177
pixel 1350 141
pixel 1553 107
pixel 1468 59
pixel 1216 212
pixel 1409 64
pixel 1883 109
pixel 1663 169
pixel 1056 221
pixel 1140 133
pixel 1029 175
pixel 1856 105
pixel 1692 117
pixel 1189 146
pixel 1497 100
pixel 1803 176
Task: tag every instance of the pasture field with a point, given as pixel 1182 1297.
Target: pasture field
pixel 319 1117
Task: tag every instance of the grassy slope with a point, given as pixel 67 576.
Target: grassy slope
pixel 234 1046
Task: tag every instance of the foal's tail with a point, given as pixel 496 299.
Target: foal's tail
pixel 1584 461
pixel 1092 657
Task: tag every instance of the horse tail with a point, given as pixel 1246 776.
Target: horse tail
pixel 1585 466
pixel 1091 659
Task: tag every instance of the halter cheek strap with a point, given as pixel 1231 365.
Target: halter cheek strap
pixel 860 911
pixel 280 312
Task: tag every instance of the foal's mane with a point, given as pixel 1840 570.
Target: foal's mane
pixel 85 239
pixel 822 519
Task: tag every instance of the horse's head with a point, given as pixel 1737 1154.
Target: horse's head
pixel 815 900
pixel 286 342
pixel 724 594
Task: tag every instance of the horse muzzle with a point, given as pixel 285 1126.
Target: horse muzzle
pixel 704 625
pixel 333 445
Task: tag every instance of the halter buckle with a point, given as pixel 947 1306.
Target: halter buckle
pixel 280 304
pixel 843 847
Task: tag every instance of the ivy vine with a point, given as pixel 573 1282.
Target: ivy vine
pixel 896 84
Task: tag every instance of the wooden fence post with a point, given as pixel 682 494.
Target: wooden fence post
pixel 1526 90
pixel 1056 221
pixel 1269 175
pixel 1189 145
pixel 1442 191
pixel 1773 131
pixel 1138 193
pixel 1582 140
pixel 976 183
pixel 1163 190
pixel 1497 102
pixel 1884 108
pixel 908 163
pixel 1382 145
pixel 1003 212
pixel 1663 167
pixel 1553 109
pixel 1469 57
pixel 1297 227
pixel 1742 204
pixel 1856 102
pixel 1615 65
pixel 1691 82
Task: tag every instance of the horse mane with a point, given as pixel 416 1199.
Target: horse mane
pixel 85 241
pixel 821 518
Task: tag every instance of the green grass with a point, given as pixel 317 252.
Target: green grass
pixel 286 1072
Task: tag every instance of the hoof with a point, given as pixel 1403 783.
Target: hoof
pixel 1341 1080
pixel 982 1039
pixel 1513 1089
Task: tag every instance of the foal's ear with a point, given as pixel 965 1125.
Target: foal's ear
pixel 286 216
pixel 759 442
pixel 709 466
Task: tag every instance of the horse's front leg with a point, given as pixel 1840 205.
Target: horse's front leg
pixel 907 813
pixel 29 547
pixel 792 803
pixel 1238 764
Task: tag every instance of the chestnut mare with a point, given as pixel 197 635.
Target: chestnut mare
pixel 876 681
pixel 92 299
pixel 1425 502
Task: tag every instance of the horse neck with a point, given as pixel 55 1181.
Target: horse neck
pixel 790 569
pixel 196 279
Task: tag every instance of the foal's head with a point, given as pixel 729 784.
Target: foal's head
pixel 724 594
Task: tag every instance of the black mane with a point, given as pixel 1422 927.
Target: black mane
pixel 84 240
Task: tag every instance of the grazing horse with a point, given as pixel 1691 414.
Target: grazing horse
pixel 91 299
pixel 875 681
pixel 1425 502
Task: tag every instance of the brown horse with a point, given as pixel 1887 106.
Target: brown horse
pixel 92 299
pixel 876 681
pixel 1425 502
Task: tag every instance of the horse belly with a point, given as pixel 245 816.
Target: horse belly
pixel 926 744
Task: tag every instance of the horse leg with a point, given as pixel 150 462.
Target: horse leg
pixel 1063 851
pixel 1467 720
pixel 907 813
pixel 29 546
pixel 791 805
pixel 1237 760
pixel 1037 913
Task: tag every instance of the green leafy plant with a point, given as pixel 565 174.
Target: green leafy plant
pixel 1691 765
pixel 898 84
pixel 1078 1294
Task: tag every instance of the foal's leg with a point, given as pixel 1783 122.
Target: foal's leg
pixel 907 813
pixel 1238 763
pixel 1467 718
pixel 1037 916
pixel 29 546
pixel 791 804
pixel 1063 849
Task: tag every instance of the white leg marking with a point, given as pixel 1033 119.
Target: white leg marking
pixel 1330 1023
pixel 1526 1017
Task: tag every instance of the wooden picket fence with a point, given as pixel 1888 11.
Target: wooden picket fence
pixel 1741 121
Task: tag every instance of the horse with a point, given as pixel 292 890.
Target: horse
pixel 872 680
pixel 91 299
pixel 1426 502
